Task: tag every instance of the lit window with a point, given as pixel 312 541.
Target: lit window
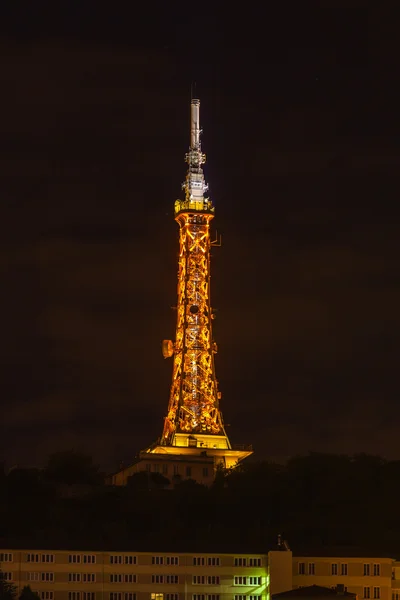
pixel 157 596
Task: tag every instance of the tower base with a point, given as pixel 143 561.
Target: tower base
pixel 187 461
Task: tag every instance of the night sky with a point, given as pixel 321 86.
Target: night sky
pixel 300 112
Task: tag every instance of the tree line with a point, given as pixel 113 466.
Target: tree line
pixel 318 501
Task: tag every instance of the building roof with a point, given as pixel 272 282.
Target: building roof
pixel 314 591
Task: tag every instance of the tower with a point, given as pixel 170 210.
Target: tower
pixel 193 434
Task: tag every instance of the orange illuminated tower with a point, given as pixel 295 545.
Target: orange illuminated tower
pixel 194 420
pixel 193 437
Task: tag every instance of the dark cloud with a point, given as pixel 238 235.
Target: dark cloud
pixel 306 283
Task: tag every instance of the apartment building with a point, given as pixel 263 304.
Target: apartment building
pixel 73 575
pixel 369 578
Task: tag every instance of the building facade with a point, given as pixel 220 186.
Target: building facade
pixel 370 578
pixel 76 575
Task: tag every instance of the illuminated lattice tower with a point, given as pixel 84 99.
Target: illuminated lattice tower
pixel 194 419
pixel 194 442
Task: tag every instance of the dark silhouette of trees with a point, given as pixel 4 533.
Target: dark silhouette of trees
pixel 8 590
pixel 28 594
pixel 316 501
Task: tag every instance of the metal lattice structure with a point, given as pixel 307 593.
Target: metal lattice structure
pixel 194 399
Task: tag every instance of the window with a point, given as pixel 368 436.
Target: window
pixel 156 596
pixel 367 570
pixel 240 596
pixel 47 577
pixel 334 569
pixel 205 471
pixel 130 560
pixel 311 568
pixel 89 559
pixel 343 569
pixel 116 559
pixel 213 561
pixel 199 579
pixel 47 595
pixel 129 596
pixel 198 597
pixel 157 579
pixel 302 568
pixel 33 576
pixel 240 580
pixel 130 578
pixel 240 562
pixel 74 558
pixel 74 577
pixel 254 562
pixel 89 595
pixel 213 580
pixel 48 558
pixel 254 597
pixel 377 592
pixel 367 592
pixel 165 469
pixel 115 596
pixel 6 576
pixel 172 579
pixel 116 578
pixel 212 596
pixel 171 596
pixel 254 580
pixel 6 557
pixel 156 468
pixel 395 596
pixel 377 570
pixel 157 560
pixel 176 469
pixel 172 560
pixel 74 596
pixel 89 577
pixel 32 558
pixel 199 561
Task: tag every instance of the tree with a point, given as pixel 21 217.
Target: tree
pixel 8 590
pixel 28 594
pixel 71 468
